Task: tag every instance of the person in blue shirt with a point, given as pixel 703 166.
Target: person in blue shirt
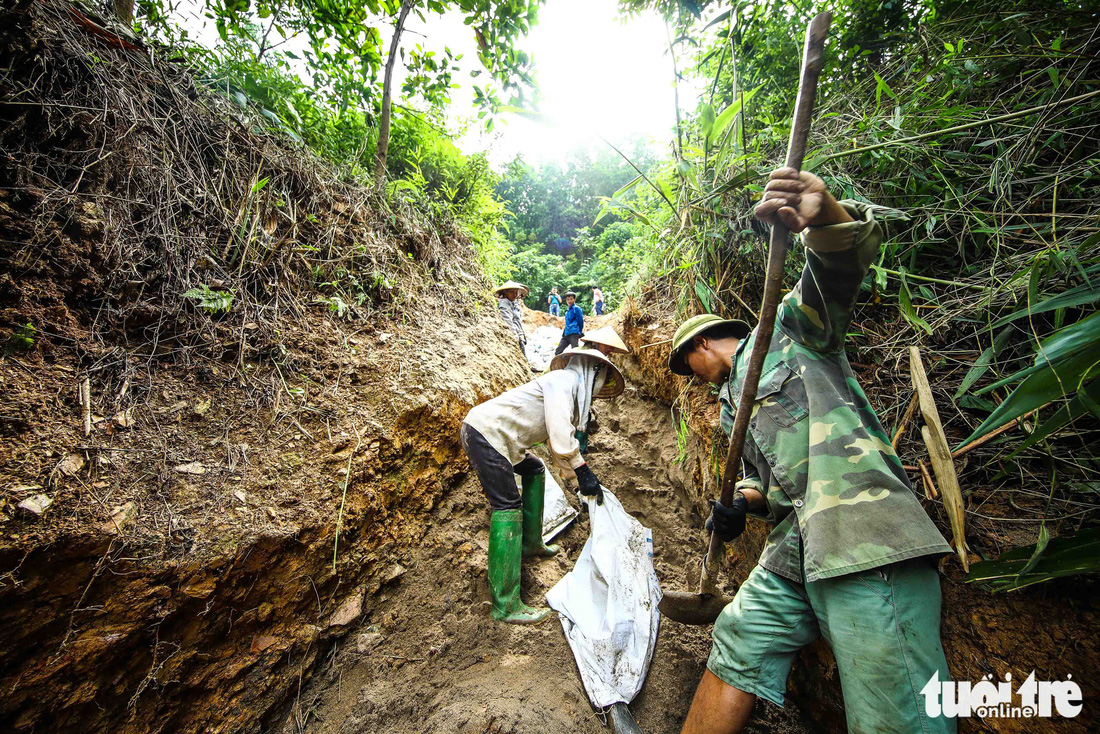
pixel 574 324
pixel 554 300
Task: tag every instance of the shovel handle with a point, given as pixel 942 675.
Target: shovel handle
pixel 813 60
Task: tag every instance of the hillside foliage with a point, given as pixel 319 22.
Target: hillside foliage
pixel 992 258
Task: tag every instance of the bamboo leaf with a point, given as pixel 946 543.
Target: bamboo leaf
pixel 725 117
pixel 1073 409
pixel 1037 554
pixel 630 185
pixel 1078 296
pixel 981 364
pixel 1066 360
pixel 609 203
pixel 1064 345
pixel 1061 558
pixel 907 309
pixel 706 120
pixel 703 292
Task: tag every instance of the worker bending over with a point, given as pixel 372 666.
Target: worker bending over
pixel 851 556
pixel 511 309
pixel 606 340
pixel 497 436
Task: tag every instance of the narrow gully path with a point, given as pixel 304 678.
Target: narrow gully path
pixel 428 658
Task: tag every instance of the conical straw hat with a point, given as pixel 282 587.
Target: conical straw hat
pixel 607 337
pixel 613 386
pixel 524 290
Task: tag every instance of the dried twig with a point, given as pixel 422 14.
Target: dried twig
pixel 344 497
pixel 981 441
pixel 904 422
pixel 929 486
pixel 84 391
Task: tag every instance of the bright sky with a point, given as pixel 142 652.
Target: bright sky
pixel 597 75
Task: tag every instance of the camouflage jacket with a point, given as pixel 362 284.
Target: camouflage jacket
pixel 834 487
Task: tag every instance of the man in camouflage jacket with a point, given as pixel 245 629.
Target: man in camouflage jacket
pixel 851 555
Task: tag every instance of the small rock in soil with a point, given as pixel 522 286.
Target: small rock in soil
pixel 349 611
pixel 35 504
pixel 367 641
pixel 193 467
pixel 120 516
pixel 396 571
pixel 71 464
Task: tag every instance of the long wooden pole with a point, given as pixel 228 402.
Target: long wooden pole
pixel 813 61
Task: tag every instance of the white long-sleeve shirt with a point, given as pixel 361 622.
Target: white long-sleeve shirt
pixel 512 314
pixel 540 411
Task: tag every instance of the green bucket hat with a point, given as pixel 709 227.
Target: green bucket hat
pixel 707 323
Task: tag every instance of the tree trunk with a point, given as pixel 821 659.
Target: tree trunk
pixel 124 11
pixel 384 125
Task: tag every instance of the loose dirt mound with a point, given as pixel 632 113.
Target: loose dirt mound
pixel 428 658
pixel 201 453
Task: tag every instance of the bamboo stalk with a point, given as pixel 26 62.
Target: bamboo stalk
pixel 940 456
pixel 982 440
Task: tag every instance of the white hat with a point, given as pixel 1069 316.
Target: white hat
pixel 607 337
pixel 613 386
pixel 513 285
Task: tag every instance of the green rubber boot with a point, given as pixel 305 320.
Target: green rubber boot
pixel 505 540
pixel 534 499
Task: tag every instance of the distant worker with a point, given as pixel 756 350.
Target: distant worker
pixel 511 310
pixel 554 301
pixel 574 324
pixel 597 300
pixel 852 554
pixel 497 436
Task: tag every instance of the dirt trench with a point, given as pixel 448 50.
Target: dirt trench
pixel 428 658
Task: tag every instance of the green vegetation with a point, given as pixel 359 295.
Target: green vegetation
pixel 992 257
pixel 972 125
pixel 555 230
pixel 209 300
pixel 315 73
pixel 20 340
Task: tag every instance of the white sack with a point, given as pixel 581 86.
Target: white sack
pixel 557 513
pixel 608 604
pixel 541 344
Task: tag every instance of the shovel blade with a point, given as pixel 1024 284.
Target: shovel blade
pixel 689 608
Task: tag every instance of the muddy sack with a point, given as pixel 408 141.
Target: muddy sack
pixel 608 604
pixel 557 513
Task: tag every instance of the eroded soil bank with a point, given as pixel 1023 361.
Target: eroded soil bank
pixel 428 658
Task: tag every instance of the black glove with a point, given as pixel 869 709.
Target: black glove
pixel 590 486
pixel 728 522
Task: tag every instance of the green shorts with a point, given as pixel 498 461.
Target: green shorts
pixel 882 624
